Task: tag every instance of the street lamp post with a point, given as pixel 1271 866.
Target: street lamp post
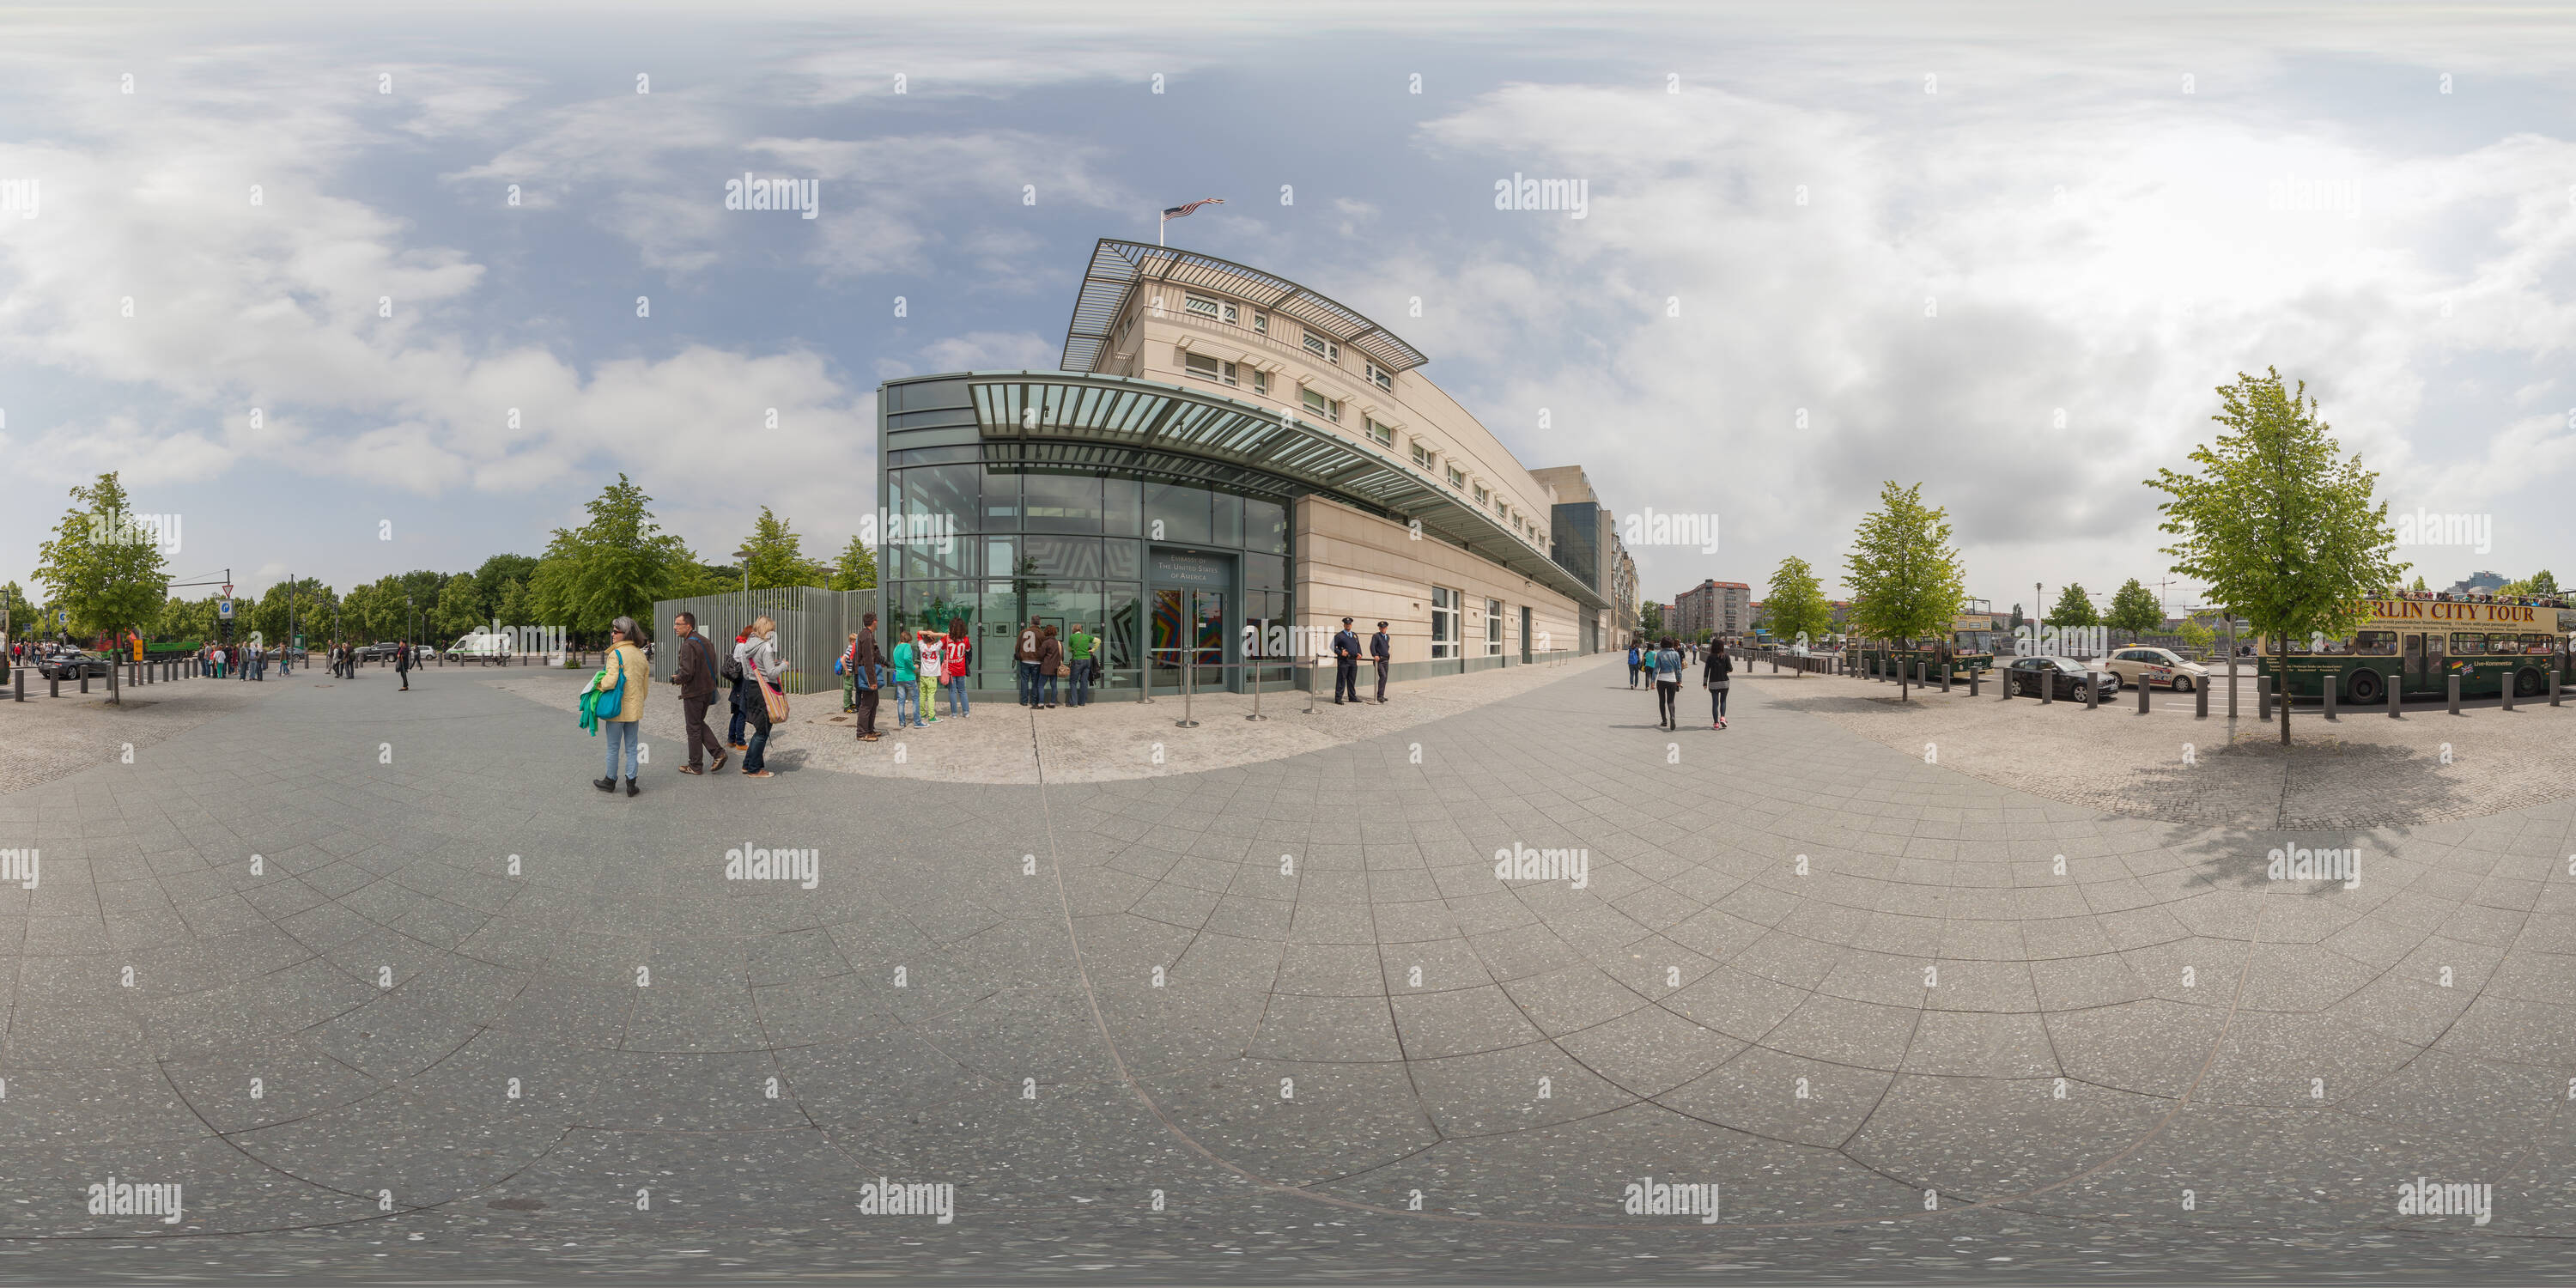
pixel 744 555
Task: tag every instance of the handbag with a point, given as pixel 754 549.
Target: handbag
pixel 775 700
pixel 609 700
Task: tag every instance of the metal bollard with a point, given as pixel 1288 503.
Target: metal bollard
pixel 2455 693
pixel 2396 694
pixel 2200 701
pixel 2505 685
pixel 2326 686
pixel 1256 694
pixel 1973 673
pixel 54 685
pixel 2263 698
pixel 1945 679
pixel 84 679
pixel 18 680
pixel 2553 688
pixel 2092 689
pixel 1189 689
pixel 2047 677
pixel 2142 697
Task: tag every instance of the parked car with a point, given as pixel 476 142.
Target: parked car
pixel 2064 675
pixel 2157 668
pixel 380 651
pixel 71 664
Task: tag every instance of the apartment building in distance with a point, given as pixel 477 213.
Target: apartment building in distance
pixel 1227 464
pixel 1721 608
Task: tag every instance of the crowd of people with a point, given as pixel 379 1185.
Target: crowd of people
pixel 2483 597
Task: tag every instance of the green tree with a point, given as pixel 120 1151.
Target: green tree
pixel 2134 609
pixel 2197 637
pixel 615 565
pixel 778 555
pixel 2419 583
pixel 512 607
pixel 2073 608
pixel 1650 621
pixel 460 608
pixel 2281 525
pixel 101 567
pixel 2016 617
pixel 2543 584
pixel 496 572
pixel 1905 576
pixel 857 569
pixel 1796 604
pixel 22 613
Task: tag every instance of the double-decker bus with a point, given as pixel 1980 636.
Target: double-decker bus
pixel 2416 645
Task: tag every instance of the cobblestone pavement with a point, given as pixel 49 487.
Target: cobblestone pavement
pixel 2360 769
pixel 463 1017
pixel 45 738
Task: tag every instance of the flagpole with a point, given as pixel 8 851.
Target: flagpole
pixel 1158 229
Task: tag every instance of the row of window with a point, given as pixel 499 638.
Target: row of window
pixel 1447 639
pixel 1215 370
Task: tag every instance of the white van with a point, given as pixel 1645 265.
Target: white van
pixel 480 644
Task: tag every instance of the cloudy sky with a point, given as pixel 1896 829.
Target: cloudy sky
pixel 279 280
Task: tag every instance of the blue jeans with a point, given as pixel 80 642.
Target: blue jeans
pixel 1081 684
pixel 621 734
pixel 756 757
pixel 957 704
pixel 1046 688
pixel 733 731
pixel 1028 684
pixel 907 699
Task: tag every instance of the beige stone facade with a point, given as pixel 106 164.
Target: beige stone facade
pixel 1357 565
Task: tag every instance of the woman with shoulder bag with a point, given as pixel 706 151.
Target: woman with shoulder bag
pixel 1715 675
pixel 627 676
pixel 757 655
pixel 1050 667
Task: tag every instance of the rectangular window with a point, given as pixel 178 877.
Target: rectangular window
pixel 2469 644
pixel 1480 494
pixel 1456 479
pixel 1381 377
pixel 1380 432
pixel 1203 306
pixel 1261 323
pixel 1329 351
pixel 1444 621
pixel 1493 628
pixel 1208 368
pixel 1328 408
pixel 1421 457
pixel 1261 382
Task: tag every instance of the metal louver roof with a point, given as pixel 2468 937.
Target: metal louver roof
pixel 1087 419
pixel 1119 267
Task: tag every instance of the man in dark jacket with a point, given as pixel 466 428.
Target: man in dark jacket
pixel 864 661
pixel 402 664
pixel 695 677
pixel 1382 651
pixel 1027 658
pixel 1346 664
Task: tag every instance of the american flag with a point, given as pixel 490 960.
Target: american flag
pixel 1175 212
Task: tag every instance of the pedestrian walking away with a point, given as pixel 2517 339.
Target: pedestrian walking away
pixel 1714 675
pixel 621 687
pixel 1668 682
pixel 402 659
pixel 869 664
pixel 1346 664
pixel 1632 664
pixel 1382 653
pixel 757 656
pixel 731 673
pixel 694 674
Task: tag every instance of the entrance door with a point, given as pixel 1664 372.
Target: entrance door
pixel 1192 594
pixel 2416 677
pixel 1189 628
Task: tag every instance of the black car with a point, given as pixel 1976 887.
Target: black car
pixel 71 664
pixel 380 651
pixel 2064 675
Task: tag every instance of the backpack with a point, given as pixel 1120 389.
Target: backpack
pixel 730 669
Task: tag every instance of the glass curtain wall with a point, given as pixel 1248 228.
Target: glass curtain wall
pixel 991 545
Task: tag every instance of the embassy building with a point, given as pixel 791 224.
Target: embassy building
pixel 1227 464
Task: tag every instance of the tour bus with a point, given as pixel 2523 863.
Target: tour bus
pixel 1968 650
pixel 2416 645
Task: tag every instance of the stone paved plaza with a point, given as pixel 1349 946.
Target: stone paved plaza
pixel 1271 1021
